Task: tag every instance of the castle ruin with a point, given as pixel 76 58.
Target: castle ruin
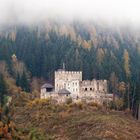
pixel 71 82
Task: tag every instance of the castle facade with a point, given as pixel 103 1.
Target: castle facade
pixel 70 83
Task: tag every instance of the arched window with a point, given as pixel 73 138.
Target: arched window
pixel 90 89
pixel 85 89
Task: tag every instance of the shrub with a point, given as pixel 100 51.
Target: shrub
pixel 39 102
pixel 94 108
pixel 68 100
pixel 64 114
pixel 95 105
pixel 36 135
pixel 1 124
pixel 117 105
pixel 111 105
pixel 79 105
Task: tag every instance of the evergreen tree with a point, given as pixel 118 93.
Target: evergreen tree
pixel 24 83
pixel 18 80
pixel 3 90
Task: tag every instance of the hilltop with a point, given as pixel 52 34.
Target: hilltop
pixel 42 119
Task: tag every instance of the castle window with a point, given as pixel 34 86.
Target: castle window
pixel 76 84
pixel 97 85
pixel 90 89
pixel 85 89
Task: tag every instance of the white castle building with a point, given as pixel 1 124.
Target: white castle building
pixel 69 80
pixel 70 84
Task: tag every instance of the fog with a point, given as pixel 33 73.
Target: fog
pixel 31 11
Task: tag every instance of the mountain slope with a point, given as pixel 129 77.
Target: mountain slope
pixel 73 121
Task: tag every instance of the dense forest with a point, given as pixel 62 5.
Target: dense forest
pixel 99 50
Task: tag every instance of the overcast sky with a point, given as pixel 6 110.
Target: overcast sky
pixel 12 11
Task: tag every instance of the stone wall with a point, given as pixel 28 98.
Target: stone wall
pixel 94 86
pixel 45 95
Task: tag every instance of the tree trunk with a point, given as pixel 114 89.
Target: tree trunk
pixel 128 96
pixel 139 113
pixel 133 100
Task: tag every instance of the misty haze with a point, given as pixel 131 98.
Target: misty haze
pixel 69 70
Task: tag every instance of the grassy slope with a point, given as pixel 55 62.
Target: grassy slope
pixel 74 122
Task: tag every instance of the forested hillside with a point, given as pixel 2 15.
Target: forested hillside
pixel 99 50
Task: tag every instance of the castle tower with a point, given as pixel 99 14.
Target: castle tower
pixel 69 80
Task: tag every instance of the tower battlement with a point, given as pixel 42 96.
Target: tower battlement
pixel 61 71
pixel 68 75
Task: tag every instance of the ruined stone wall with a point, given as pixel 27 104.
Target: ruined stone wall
pixel 103 88
pixel 88 85
pixel 90 88
pixel 45 95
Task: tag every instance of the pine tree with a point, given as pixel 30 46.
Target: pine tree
pixel 3 90
pixel 18 80
pixel 24 83
pixel 139 112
